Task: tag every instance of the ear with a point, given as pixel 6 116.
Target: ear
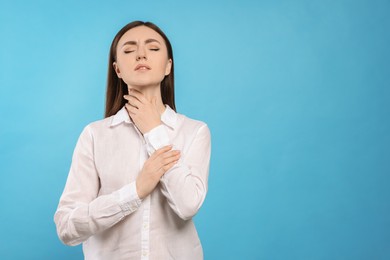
pixel 168 67
pixel 116 68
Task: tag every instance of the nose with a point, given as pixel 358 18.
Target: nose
pixel 141 54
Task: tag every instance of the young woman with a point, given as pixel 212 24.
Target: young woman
pixel 138 176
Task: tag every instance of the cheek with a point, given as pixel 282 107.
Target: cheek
pixel 163 64
pixel 124 66
pixel 121 60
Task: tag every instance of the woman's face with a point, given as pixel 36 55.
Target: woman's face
pixel 142 57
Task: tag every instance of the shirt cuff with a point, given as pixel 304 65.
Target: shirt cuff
pixel 156 138
pixel 128 198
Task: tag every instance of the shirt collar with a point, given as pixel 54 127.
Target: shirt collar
pixel 121 117
pixel 169 117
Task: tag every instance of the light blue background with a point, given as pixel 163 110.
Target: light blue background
pixel 296 94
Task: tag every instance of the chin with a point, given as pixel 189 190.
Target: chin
pixel 143 83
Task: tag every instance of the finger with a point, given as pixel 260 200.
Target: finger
pixel 169 154
pixel 160 172
pixel 166 157
pixel 165 168
pixel 160 151
pixel 138 95
pixel 131 109
pixel 172 157
pixel 168 166
pixel 132 101
pixel 169 160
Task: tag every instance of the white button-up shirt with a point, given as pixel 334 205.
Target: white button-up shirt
pixel 100 206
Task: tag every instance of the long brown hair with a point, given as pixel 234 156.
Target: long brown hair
pixel 116 87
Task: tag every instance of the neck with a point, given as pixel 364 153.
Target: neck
pixel 149 93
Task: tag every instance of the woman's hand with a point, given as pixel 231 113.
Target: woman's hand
pixel 154 168
pixel 144 113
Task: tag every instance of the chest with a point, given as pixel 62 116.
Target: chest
pixel 120 153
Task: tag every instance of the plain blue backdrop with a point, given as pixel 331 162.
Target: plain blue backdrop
pixel 296 94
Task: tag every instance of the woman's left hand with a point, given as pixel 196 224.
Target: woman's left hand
pixel 144 113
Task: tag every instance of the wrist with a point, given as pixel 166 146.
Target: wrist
pixel 140 194
pixel 153 126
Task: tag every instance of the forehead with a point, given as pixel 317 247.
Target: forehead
pixel 140 34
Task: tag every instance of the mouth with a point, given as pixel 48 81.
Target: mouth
pixel 142 67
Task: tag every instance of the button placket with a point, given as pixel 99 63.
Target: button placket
pixel 146 212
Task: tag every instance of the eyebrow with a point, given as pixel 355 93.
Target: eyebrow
pixel 135 43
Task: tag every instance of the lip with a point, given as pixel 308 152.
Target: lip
pixel 142 67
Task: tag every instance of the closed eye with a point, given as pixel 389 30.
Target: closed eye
pixel 128 51
pixel 154 49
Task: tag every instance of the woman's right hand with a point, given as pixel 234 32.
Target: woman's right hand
pixel 154 168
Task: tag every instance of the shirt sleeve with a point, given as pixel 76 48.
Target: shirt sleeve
pixel 156 139
pixel 81 211
pixel 185 184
